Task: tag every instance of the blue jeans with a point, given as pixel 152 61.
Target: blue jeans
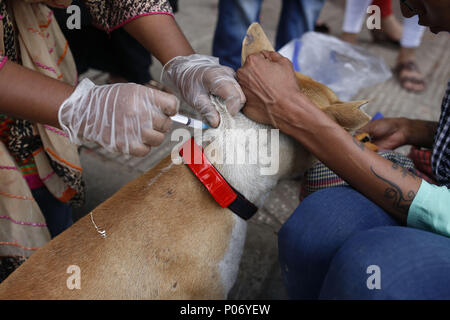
pixel 327 245
pixel 235 16
pixel 58 215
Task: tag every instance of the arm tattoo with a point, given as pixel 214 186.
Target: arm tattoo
pixel 395 193
pixel 404 172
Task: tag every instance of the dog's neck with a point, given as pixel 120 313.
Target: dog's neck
pixel 275 157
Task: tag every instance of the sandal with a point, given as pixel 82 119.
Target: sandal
pixel 412 67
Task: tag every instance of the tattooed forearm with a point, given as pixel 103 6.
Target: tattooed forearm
pixel 404 172
pixel 401 201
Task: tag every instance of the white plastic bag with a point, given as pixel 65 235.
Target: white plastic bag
pixel 343 67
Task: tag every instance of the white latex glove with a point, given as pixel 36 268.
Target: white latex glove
pixel 127 117
pixel 197 76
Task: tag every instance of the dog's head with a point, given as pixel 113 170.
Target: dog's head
pixel 251 156
pixel 276 155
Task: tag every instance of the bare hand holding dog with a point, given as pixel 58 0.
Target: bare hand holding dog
pixel 264 92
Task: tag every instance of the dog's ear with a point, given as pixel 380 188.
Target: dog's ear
pixel 348 114
pixel 317 92
pixel 255 41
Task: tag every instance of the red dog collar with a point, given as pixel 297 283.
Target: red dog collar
pixel 225 195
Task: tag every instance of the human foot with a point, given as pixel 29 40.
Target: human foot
pixel 409 76
pixel 408 72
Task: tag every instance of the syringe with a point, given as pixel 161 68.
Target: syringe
pixel 191 122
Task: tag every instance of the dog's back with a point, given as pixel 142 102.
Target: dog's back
pixel 166 239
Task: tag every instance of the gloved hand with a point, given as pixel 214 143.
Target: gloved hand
pixel 128 118
pixel 197 76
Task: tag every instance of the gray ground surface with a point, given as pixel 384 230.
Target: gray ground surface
pixel 259 275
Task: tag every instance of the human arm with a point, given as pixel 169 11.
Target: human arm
pixel 161 36
pixel 407 198
pixel 390 186
pixel 125 117
pixel 391 133
pixel 30 95
pixel 192 76
pixel 273 97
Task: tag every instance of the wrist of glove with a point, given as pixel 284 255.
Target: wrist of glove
pixel 196 77
pixel 126 118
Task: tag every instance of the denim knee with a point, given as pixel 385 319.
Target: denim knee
pixel 313 234
pixel 328 217
pixel 390 263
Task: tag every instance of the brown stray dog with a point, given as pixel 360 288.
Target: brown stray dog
pixel 166 237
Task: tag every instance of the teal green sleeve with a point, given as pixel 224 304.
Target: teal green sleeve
pixel 430 209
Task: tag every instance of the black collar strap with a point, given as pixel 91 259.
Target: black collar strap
pixel 225 195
